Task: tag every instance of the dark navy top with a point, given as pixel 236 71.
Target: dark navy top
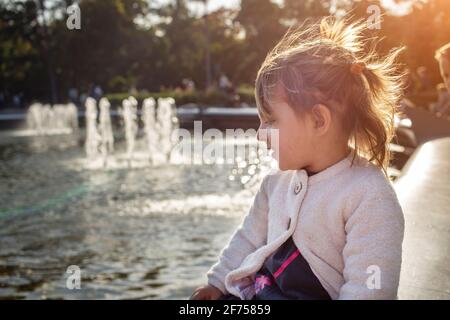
pixel 287 275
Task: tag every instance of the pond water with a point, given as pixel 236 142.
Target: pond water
pixel 144 232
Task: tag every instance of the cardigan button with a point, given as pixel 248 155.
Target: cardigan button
pixel 298 188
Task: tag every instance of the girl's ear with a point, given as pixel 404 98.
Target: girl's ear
pixel 321 116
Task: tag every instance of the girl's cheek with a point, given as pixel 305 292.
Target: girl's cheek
pixel 275 137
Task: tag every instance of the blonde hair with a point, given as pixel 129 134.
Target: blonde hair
pixel 443 51
pixel 325 63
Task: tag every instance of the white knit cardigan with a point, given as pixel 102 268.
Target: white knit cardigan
pixel 345 220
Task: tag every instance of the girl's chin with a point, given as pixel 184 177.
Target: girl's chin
pixel 282 165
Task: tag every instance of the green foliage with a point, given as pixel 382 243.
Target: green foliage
pixel 210 97
pixel 114 50
pixel 181 98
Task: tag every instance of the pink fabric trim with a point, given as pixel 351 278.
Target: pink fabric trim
pixel 261 282
pixel 286 263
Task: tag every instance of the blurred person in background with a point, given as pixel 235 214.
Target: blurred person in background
pixel 424 79
pixel 442 55
pixel 442 107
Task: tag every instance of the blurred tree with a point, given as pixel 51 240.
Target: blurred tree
pixel 184 40
pixel 143 44
pixel 261 22
pixel 19 57
pixel 423 31
pixel 104 48
pixel 227 44
pixel 299 10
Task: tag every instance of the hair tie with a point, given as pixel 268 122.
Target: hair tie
pixel 357 68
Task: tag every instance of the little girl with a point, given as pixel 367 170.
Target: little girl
pixel 327 225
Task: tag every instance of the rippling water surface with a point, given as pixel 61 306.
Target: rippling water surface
pixel 141 232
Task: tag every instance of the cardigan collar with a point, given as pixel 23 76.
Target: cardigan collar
pixel 328 172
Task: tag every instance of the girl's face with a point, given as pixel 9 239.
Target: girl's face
pixel 294 144
pixel 444 66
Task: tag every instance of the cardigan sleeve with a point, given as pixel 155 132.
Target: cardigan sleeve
pixel 373 251
pixel 249 236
